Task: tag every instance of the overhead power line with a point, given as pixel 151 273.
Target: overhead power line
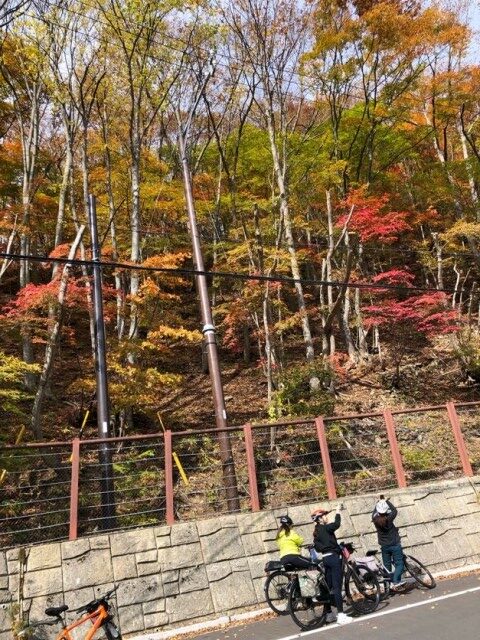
pixel 225 274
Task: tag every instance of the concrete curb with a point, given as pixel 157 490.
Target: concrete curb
pixel 222 621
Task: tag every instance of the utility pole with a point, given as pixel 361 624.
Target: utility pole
pixel 208 330
pixel 103 411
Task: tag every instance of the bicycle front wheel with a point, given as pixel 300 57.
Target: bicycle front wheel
pixel 111 632
pixel 362 591
pixel 276 587
pixel 305 612
pixel 419 572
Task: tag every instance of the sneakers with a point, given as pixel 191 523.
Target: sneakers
pixel 331 617
pixel 342 618
pixel 397 586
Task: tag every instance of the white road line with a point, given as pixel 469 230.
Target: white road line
pixel 386 612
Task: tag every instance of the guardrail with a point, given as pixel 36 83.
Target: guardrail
pixel 53 490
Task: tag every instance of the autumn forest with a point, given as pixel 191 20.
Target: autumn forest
pixel 333 150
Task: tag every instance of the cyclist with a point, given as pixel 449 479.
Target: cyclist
pixel 383 517
pixel 289 543
pixel 325 542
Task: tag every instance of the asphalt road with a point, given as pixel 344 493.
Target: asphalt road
pixel 451 611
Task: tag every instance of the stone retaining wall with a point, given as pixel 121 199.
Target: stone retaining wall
pixel 195 571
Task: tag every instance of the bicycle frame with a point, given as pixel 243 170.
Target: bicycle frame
pixel 386 574
pixel 97 618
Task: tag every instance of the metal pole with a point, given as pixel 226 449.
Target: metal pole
pixel 208 330
pixel 103 412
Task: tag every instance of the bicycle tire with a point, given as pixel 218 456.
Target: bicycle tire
pixel 362 591
pixel 384 587
pixel 112 632
pixel 276 587
pixel 305 613
pixel 419 572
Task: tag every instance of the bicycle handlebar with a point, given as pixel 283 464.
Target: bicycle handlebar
pixel 94 603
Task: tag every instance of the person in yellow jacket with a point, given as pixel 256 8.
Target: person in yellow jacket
pixel 289 544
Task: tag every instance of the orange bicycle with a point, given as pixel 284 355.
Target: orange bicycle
pixel 97 613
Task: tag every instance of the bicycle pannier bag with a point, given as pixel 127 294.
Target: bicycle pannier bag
pixel 308 584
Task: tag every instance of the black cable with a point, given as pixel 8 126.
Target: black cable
pixel 225 274
pixel 316 243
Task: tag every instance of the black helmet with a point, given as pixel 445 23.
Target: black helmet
pixel 286 520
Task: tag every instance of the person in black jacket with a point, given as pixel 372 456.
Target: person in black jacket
pixel 383 517
pixel 325 542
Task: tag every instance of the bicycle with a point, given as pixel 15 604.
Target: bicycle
pixel 278 583
pixel 277 586
pixel 97 612
pixel 362 589
pixel 306 607
pixel 416 569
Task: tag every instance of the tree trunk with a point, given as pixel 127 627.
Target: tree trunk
pixel 287 224
pixel 328 337
pixel 344 316
pixel 86 279
pixel 438 251
pixel 361 334
pixel 119 284
pixel 468 165
pixel 52 343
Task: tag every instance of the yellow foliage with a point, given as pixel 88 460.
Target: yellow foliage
pixel 461 230
pixel 173 333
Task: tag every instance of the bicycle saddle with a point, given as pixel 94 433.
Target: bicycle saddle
pixel 56 611
pixel 372 552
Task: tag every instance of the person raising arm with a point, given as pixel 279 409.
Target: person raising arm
pixel 383 517
pixel 325 542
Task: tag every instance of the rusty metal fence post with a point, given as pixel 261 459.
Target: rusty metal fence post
pixel 252 471
pixel 75 476
pixel 459 440
pixel 170 516
pixel 396 456
pixel 327 464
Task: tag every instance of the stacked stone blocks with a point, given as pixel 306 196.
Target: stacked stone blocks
pixel 195 571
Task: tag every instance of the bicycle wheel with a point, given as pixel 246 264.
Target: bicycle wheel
pixel 419 572
pixel 306 613
pixel 111 632
pixel 276 587
pixel 384 587
pixel 362 591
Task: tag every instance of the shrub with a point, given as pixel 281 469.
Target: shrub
pixel 296 396
pixel 416 459
pixel 468 353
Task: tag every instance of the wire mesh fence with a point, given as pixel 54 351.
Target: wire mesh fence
pixel 34 494
pixel 427 446
pixel 288 464
pixel 360 455
pixel 469 416
pixel 42 497
pixel 200 476
pixel 138 479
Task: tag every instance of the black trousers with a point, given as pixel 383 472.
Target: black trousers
pixel 296 560
pixel 333 576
